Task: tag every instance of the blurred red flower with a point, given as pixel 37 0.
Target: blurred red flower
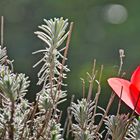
pixel 128 91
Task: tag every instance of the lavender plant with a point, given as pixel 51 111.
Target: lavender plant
pixel 41 119
pixel 50 77
pixel 13 106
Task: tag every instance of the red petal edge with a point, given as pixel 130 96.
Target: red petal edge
pixel 117 84
pixel 135 78
pixel 135 97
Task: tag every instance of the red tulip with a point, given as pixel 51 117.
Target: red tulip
pixel 128 91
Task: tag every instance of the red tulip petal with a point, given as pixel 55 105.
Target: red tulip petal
pixel 117 84
pixel 135 97
pixel 135 79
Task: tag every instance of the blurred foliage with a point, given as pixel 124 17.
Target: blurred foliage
pixel 93 36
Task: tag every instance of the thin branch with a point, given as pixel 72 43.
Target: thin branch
pixel 119 105
pixel 83 87
pixel 92 80
pixel 48 115
pixel 2 29
pixel 60 78
pixel 98 92
pixel 68 119
pixel 107 110
pixel 65 56
pixel 59 117
pixel 33 112
pixel 136 105
pixel 121 52
pixel 11 127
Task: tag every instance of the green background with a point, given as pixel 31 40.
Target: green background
pixel 93 37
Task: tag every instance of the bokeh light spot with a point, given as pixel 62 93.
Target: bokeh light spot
pixel 115 13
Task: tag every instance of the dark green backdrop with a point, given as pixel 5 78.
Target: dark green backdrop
pixel 101 28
